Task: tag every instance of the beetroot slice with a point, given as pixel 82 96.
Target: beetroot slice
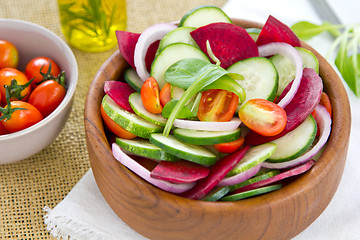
pixel 228 42
pixel 304 102
pixel 289 173
pixel 276 31
pixel 127 41
pixel 119 92
pixel 179 172
pixel 217 173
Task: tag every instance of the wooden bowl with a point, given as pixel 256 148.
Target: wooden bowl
pixel 157 214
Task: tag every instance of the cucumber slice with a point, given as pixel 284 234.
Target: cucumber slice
pixel 133 79
pixel 136 104
pixel 192 104
pixel 203 15
pixel 142 147
pixel 261 77
pixel 251 193
pixel 190 152
pixel 286 68
pixel 176 92
pixel 254 33
pixel 129 121
pixel 170 55
pixel 255 155
pixel 180 34
pixel 199 137
pixel 296 142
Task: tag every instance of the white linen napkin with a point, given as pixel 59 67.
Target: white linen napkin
pixel 84 214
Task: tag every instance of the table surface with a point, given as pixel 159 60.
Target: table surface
pixel 45 179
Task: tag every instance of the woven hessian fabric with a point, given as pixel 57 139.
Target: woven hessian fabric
pixel 46 178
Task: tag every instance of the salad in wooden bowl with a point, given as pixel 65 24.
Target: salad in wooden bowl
pixel 217 128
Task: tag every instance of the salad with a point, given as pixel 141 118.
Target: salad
pixel 215 112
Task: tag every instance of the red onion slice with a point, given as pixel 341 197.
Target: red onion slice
pixel 290 52
pixel 323 120
pixel 145 173
pixel 208 126
pixel 149 36
pixel 238 178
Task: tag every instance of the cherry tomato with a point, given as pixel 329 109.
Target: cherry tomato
pixel 32 70
pixel 114 127
pixel 325 101
pixel 3 130
pixel 217 105
pixel 263 117
pixel 150 96
pixel 19 115
pixel 47 96
pixel 9 56
pixel 229 147
pixel 19 90
pixel 165 94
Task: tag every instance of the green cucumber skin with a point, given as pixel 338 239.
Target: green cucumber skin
pixel 251 193
pixel 187 20
pixel 129 76
pixel 180 34
pixel 142 147
pixel 251 160
pixel 275 158
pixel 140 110
pixel 195 136
pixel 124 118
pixel 200 159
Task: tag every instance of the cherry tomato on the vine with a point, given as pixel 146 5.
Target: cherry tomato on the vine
pixel 114 127
pixel 230 147
pixel 19 115
pixel 33 67
pixel 19 90
pixel 150 96
pixel 165 94
pixel 3 130
pixel 217 105
pixel 47 96
pixel 263 117
pixel 9 56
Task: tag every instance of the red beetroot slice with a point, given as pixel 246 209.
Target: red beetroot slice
pixel 276 31
pixel 179 172
pixel 305 101
pixel 119 92
pixel 217 173
pixel 289 173
pixel 228 42
pixel 127 41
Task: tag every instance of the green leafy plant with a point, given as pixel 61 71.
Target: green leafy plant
pixel 346 47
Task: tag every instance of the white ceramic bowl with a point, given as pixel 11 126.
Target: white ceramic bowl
pixel 33 40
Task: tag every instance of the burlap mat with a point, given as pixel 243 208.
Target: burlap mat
pixel 46 178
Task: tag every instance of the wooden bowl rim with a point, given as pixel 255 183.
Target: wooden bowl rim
pixel 339 137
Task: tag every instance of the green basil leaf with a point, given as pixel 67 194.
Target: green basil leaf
pixel 205 76
pixel 183 73
pixel 229 84
pixel 185 112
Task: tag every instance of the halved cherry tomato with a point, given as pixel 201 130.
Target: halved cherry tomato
pixel 19 115
pixel 114 127
pixel 9 56
pixel 150 96
pixel 229 147
pixel 19 90
pixel 47 96
pixel 217 105
pixel 41 69
pixel 325 101
pixel 165 94
pixel 263 117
